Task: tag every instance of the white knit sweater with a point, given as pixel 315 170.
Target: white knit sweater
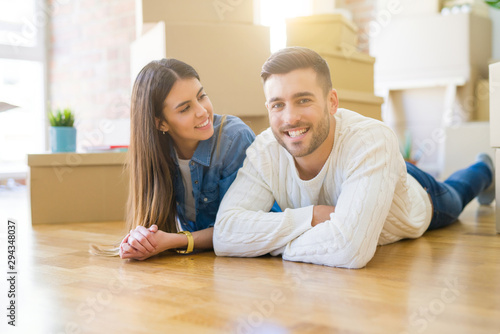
pixel 376 201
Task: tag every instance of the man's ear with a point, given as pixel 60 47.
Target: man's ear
pixel 161 125
pixel 333 101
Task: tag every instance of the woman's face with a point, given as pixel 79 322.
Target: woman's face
pixel 188 113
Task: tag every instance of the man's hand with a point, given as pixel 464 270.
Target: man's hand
pixel 321 213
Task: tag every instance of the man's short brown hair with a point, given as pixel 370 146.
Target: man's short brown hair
pixel 292 58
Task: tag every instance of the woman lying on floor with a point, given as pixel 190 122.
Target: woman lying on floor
pixel 182 160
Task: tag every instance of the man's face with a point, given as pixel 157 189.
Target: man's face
pixel 299 111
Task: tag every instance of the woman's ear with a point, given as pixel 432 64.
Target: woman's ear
pixel 161 125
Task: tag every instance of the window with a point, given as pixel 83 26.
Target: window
pixel 273 14
pixel 22 72
pixel 16 28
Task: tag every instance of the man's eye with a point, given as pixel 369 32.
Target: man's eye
pixel 302 101
pixel 278 105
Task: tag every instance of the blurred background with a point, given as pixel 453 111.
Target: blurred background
pixel 428 61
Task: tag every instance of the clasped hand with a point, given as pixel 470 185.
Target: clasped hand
pixel 141 243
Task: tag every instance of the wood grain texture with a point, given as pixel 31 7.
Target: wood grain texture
pixel 445 282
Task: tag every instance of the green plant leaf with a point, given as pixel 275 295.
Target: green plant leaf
pixel 493 3
pixel 406 147
pixel 61 117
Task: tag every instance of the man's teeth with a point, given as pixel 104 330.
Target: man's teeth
pixel 296 133
pixel 204 124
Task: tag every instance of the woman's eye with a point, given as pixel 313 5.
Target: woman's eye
pixel 185 109
pixel 202 96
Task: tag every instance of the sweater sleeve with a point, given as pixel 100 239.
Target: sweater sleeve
pixel 371 166
pixel 244 226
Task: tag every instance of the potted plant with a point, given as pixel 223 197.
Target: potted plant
pixel 493 3
pixel 62 131
pixel 407 149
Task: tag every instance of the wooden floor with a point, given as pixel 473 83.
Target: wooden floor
pixel 445 282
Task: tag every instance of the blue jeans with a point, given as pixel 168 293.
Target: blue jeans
pixel 450 197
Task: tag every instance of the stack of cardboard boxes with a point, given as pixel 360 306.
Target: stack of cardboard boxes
pixel 218 38
pixel 335 38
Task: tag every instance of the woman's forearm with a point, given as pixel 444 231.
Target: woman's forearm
pixel 202 240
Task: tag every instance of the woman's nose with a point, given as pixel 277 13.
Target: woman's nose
pixel 200 110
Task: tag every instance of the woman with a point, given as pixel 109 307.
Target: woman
pixel 182 160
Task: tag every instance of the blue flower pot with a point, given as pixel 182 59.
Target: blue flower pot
pixel 62 139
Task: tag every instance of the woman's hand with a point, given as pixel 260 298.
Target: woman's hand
pixel 321 213
pixel 140 243
pixel 143 243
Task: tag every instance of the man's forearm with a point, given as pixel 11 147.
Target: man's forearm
pixel 253 233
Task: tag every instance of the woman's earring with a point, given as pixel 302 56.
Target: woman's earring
pixel 163 132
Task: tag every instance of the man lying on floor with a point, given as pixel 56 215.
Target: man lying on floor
pixel 338 176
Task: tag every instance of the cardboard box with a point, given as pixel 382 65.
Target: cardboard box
pixel 322 33
pixel 351 70
pixel 476 6
pixel 235 11
pixel 408 7
pixel 228 58
pixel 495 105
pixel 75 187
pixel 364 103
pixel 431 48
pixel 256 123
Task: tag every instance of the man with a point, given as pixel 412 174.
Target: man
pixel 338 176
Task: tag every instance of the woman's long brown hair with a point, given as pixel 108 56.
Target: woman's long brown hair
pixel 151 197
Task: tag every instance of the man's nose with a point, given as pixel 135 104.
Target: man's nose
pixel 291 115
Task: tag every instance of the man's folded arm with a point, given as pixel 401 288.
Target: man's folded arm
pixel 245 227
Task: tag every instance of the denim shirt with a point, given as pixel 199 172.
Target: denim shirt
pixel 212 170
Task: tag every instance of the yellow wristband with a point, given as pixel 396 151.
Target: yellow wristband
pixel 190 245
